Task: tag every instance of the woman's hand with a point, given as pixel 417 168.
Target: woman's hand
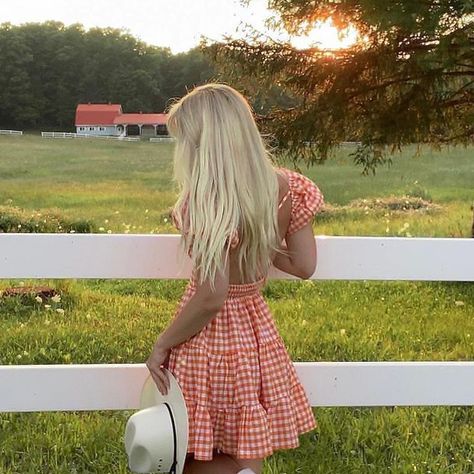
pixel 158 358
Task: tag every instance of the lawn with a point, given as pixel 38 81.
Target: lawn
pixel 126 188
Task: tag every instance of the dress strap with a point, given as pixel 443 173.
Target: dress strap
pixel 285 197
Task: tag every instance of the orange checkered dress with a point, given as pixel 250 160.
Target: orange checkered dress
pixel 241 389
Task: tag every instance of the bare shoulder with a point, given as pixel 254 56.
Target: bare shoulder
pixel 283 184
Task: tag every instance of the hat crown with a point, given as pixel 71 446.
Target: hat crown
pixel 156 437
pixel 149 441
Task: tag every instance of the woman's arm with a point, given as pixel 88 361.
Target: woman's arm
pixel 194 316
pixel 303 256
pixel 201 308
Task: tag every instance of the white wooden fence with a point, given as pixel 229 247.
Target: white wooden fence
pixel 11 132
pixel 85 135
pixel 162 139
pixel 117 386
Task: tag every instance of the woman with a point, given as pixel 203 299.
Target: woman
pixel 234 210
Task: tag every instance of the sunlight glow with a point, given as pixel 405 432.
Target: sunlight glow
pixel 325 36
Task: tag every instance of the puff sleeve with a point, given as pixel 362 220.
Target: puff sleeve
pixel 175 222
pixel 234 239
pixel 182 212
pixel 306 201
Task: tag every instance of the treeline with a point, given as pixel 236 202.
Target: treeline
pixel 48 68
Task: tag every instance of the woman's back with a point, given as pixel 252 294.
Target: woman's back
pixel 299 199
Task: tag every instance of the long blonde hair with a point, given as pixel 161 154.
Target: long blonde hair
pixel 227 182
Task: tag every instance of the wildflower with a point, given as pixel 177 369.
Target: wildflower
pixel 343 332
pixel 459 303
pixel 39 299
pixel 56 298
pixel 109 231
pixel 47 306
pixel 60 310
pixel 101 229
pixel 106 221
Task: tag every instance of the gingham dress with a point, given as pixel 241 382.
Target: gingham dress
pixel 241 389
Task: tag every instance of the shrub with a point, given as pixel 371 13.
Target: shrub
pixel 15 219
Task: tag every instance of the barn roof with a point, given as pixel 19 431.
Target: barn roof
pixel 142 119
pixel 97 114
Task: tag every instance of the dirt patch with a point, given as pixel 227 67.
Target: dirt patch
pixel 402 204
pixel 396 203
pixel 43 291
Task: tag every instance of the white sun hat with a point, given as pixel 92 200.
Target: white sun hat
pixel 156 437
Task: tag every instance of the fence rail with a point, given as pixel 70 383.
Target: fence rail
pixel 11 132
pixel 328 383
pixel 162 139
pixel 85 135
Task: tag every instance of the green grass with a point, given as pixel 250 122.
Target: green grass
pixel 117 321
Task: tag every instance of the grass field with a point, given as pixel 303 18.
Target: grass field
pixel 126 187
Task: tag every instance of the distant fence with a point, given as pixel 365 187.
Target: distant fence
pixel 84 135
pixel 11 132
pixel 162 139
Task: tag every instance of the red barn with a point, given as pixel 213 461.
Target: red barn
pixel 109 119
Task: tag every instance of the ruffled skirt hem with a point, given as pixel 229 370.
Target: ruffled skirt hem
pixel 249 431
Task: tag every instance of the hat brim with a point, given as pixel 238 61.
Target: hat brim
pixel 151 396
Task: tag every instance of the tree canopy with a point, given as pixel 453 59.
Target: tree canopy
pixel 48 68
pixel 408 79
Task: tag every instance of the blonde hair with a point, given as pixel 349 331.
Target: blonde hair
pixel 227 182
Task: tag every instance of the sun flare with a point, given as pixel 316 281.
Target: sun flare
pixel 325 35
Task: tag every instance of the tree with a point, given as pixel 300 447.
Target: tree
pixel 48 68
pixel 408 79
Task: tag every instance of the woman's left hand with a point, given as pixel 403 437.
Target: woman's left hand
pixel 158 358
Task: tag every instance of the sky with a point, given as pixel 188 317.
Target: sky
pixel 177 24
